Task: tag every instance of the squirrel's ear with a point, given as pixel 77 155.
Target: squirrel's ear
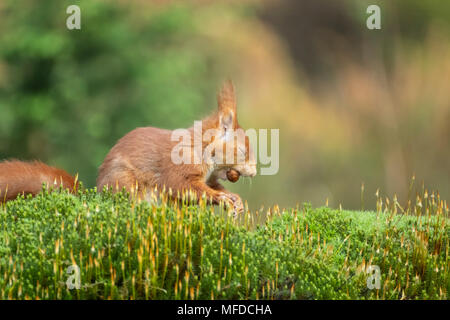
pixel 226 101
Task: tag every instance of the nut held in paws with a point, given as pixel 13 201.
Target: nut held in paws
pixel 233 175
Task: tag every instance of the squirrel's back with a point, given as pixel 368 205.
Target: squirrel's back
pixel 18 177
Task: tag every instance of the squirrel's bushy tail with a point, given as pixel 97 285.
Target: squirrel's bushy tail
pixel 18 177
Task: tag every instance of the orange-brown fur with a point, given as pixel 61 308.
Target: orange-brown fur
pixel 18 177
pixel 143 158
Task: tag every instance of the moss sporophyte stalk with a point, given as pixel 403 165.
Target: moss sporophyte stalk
pixel 105 246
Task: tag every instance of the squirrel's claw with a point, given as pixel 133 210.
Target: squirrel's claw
pixel 233 201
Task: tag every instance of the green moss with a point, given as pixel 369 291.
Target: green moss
pixel 133 250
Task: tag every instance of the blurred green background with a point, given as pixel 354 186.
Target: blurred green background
pixel 353 105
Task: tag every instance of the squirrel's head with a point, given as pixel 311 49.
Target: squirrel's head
pixel 230 147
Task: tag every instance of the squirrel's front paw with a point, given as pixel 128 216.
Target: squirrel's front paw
pixel 238 205
pixel 234 201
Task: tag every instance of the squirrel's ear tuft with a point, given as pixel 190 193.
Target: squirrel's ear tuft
pixel 226 101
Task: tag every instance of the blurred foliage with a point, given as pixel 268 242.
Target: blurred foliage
pixel 357 105
pixel 353 105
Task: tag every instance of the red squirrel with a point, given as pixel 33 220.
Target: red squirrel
pixel 143 157
pixel 18 177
